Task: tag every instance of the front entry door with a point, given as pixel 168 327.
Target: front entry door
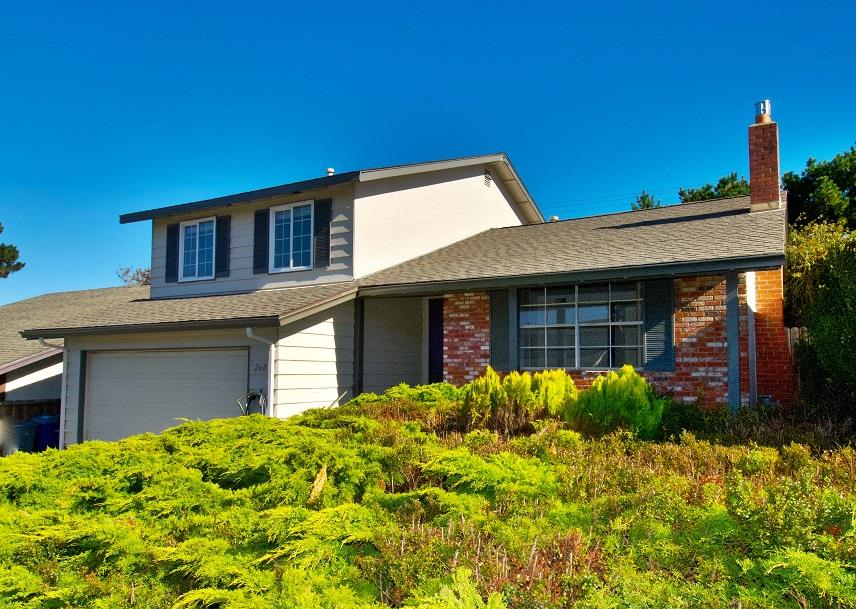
pixel 435 340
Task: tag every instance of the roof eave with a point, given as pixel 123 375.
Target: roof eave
pixel 212 324
pixel 28 360
pixel 284 190
pixel 744 263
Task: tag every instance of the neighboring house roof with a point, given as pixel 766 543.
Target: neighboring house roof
pixel 134 311
pixel 16 352
pixel 500 160
pixel 690 236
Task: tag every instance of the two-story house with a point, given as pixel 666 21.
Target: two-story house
pixel 311 292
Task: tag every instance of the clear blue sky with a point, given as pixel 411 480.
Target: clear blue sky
pixel 114 107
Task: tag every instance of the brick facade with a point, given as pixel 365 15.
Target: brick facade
pixel 764 163
pixel 466 336
pixel 700 341
pixel 773 362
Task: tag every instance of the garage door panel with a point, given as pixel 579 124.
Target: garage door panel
pixel 131 392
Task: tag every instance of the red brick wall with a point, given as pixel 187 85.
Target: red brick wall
pixel 466 336
pixel 701 354
pixel 773 363
pixel 701 350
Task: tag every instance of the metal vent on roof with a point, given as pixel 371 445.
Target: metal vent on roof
pixel 488 178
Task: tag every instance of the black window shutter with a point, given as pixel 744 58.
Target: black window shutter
pixel 659 327
pixel 323 217
pixel 171 266
pixel 261 236
pixel 499 329
pixel 223 230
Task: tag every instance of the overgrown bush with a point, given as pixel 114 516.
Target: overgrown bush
pixel 615 400
pixel 340 509
pixel 555 391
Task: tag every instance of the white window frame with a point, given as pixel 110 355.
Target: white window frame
pixel 272 241
pixel 197 221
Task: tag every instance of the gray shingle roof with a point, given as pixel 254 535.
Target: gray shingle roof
pixel 678 234
pixel 132 310
pixel 51 309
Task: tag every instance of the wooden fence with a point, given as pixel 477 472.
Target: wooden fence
pixel 796 335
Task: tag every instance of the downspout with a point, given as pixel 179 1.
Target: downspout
pixel 63 388
pixel 271 410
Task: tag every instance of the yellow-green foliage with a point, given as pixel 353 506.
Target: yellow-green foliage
pixel 622 399
pixel 554 391
pixel 232 514
pixel 483 398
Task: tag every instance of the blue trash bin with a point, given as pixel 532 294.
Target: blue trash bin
pixel 47 432
pixel 25 437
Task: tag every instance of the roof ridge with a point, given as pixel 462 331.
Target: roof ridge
pixel 629 211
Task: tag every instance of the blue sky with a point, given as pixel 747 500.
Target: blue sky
pixel 108 108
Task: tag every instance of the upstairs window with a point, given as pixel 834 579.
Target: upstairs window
pixel 196 254
pixel 581 326
pixel 291 237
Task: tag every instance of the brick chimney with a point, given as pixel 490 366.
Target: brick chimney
pixel 764 159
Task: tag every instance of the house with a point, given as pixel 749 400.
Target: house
pixel 314 291
pixel 30 371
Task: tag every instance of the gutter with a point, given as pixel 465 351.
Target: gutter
pixel 271 406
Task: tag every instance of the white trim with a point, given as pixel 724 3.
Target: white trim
pixel 272 241
pixel 197 222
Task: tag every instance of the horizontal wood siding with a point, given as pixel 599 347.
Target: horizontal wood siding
pixel 393 343
pixel 315 361
pixel 241 277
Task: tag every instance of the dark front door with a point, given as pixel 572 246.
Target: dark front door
pixel 435 340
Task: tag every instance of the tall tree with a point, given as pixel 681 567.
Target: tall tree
pixel 8 259
pixel 644 201
pixel 825 190
pixel 726 186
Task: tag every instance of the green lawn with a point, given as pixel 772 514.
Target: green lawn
pixel 360 506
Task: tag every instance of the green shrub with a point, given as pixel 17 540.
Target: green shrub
pixel 483 398
pixel 554 390
pixel 622 399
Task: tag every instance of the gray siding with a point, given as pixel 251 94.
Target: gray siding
pixel 393 343
pixel 315 361
pixel 241 277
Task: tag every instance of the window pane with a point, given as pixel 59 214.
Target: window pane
pixel 190 245
pixel 532 337
pixel 625 311
pixel 561 358
pixel 302 231
pixel 531 317
pixel 626 355
pixel 625 335
pixel 282 239
pixel 560 316
pixel 628 290
pixel 532 296
pixel 594 358
pixel 532 358
pixel 594 292
pixel 561 295
pixel 594 336
pixel 205 260
pixel 594 313
pixel 561 337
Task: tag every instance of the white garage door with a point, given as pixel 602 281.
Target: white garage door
pixel 131 392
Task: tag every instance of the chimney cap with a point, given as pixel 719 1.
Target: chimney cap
pixel 330 171
pixel 763 111
pixel 554 219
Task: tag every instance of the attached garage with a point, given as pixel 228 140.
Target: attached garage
pixel 137 391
